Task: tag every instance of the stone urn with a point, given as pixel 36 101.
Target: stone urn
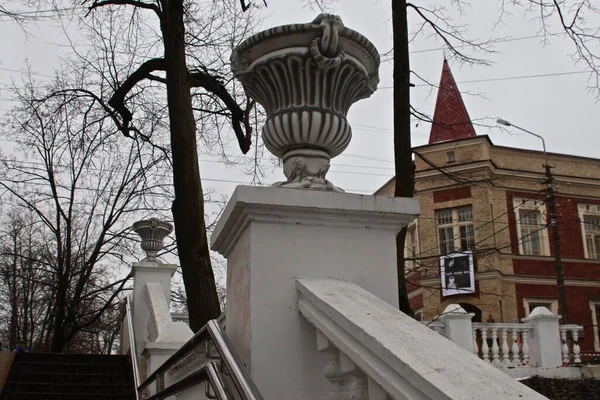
pixel 152 231
pixel 306 76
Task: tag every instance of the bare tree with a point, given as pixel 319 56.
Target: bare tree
pixel 81 180
pixel 187 56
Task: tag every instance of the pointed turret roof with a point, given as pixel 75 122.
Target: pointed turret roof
pixel 450 119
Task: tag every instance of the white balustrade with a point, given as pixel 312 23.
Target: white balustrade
pixel 564 345
pixel 505 350
pixel 515 346
pixel 375 352
pixel 485 350
pixel 347 381
pixel 495 348
pixel 525 346
pixel 499 349
pixel 574 350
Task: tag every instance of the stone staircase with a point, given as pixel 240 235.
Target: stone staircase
pixel 47 376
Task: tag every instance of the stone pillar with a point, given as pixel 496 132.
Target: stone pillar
pixel 544 341
pixel 150 270
pixel 306 76
pixel 458 326
pixel 272 236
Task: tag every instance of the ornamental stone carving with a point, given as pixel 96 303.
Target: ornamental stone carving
pixel 152 231
pixel 306 76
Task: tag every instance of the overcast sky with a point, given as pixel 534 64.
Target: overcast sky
pixel 555 104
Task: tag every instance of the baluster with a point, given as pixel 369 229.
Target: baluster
pixel 485 350
pixel 505 348
pixel 475 345
pixel 525 346
pixel 357 387
pixel 576 349
pixel 515 346
pixel 495 348
pixel 565 345
pixel 348 382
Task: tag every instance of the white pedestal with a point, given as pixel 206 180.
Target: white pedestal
pixel 544 341
pixel 143 273
pixel 458 326
pixel 271 236
pixel 148 272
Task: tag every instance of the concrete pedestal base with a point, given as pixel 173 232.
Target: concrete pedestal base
pixel 271 236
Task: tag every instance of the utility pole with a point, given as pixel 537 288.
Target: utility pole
pixel 560 274
pixel 551 201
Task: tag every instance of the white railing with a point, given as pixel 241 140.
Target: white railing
pixel 133 348
pixel 220 377
pixel 573 349
pixel 375 352
pixel 160 316
pixel 502 344
pixel 539 342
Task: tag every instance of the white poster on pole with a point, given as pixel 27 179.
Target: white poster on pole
pixel 457 274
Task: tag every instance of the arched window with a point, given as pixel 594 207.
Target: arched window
pixel 470 308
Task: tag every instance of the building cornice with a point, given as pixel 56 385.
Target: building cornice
pixel 490 167
pixel 434 282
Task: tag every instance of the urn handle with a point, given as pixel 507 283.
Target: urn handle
pixel 325 50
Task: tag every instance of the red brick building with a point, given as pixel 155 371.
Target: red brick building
pixel 489 201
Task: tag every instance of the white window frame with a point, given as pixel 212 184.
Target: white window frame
pixel 583 210
pixel 412 229
pixel 532 205
pixel 595 322
pixel 552 302
pixel 456 225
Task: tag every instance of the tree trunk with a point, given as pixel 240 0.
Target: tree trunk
pixel 58 334
pixel 188 206
pixel 404 170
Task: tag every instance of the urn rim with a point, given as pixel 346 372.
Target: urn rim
pixel 299 36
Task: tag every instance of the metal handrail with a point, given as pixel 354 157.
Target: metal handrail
pixel 199 337
pixel 215 381
pixel 191 380
pixel 242 383
pixel 132 345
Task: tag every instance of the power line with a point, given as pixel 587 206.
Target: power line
pixel 493 41
pixel 500 79
pixel 508 78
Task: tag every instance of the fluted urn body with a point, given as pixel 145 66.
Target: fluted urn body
pixel 306 76
pixel 153 232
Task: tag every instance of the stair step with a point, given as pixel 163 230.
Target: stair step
pixel 6 395
pixel 76 377
pixel 68 388
pixel 67 368
pixel 73 358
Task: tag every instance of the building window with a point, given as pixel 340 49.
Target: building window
pixel 589 215
pixel 455 229
pixel 531 227
pixel 595 310
pixel 530 304
pixel 450 156
pixel 411 246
